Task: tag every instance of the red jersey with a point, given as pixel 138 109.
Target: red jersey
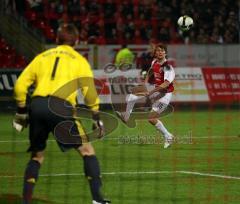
pixel 162 72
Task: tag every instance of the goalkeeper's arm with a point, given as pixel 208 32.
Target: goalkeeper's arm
pixel 20 120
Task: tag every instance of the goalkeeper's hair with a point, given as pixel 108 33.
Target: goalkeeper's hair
pixel 67 34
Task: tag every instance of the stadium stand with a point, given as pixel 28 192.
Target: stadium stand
pixel 132 22
pixel 9 58
pixel 135 22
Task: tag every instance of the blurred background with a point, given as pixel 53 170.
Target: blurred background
pixel 206 99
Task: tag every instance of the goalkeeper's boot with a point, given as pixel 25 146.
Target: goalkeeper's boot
pixel 101 202
pixel 121 116
pixel 168 141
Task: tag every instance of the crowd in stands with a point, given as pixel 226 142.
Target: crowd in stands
pixel 136 21
pixel 9 58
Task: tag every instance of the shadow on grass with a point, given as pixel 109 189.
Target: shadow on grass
pixel 17 199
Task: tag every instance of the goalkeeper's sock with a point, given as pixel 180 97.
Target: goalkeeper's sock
pixel 92 172
pixel 30 178
pixel 131 100
pixel 163 130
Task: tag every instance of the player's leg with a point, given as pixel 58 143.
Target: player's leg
pixel 92 172
pixel 131 99
pixel 90 164
pixel 38 134
pixel 157 108
pixel 82 145
pixel 155 121
pixel 31 175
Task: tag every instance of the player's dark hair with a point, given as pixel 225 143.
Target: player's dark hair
pixel 67 34
pixel 162 46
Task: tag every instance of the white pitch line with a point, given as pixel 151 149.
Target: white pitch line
pixel 138 173
pixel 209 175
pixel 128 137
pixel 104 173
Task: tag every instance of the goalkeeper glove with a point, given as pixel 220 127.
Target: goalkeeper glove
pixel 98 124
pixel 20 120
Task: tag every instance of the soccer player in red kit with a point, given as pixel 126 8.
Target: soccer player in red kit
pixel 160 95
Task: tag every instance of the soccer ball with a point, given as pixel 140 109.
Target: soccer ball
pixel 185 22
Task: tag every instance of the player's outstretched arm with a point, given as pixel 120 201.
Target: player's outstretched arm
pixel 161 88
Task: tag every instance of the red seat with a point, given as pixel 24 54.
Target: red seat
pixel 50 34
pixel 9 57
pixel 3 44
pixel 20 61
pixel 7 60
pixel 1 60
pixel 30 15
pixel 41 24
pixel 9 50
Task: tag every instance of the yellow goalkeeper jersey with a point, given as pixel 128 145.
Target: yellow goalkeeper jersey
pixel 59 72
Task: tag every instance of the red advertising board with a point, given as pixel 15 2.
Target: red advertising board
pixel 223 84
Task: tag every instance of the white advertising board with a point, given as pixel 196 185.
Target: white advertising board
pixel 189 85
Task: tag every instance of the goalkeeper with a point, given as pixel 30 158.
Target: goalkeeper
pixel 48 72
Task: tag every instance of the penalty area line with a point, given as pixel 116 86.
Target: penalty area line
pixel 137 173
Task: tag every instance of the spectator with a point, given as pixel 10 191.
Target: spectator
pixel 124 56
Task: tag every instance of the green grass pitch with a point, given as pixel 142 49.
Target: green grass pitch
pixel 201 167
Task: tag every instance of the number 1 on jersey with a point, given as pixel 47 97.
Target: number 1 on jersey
pixel 55 68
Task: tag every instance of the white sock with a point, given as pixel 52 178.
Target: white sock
pixel 131 100
pixel 163 130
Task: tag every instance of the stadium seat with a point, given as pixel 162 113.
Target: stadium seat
pixel 3 44
pixel 9 57
pixel 1 60
pixel 30 15
pixel 40 24
pixel 50 34
pixel 7 61
pixel 20 61
pixel 8 50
